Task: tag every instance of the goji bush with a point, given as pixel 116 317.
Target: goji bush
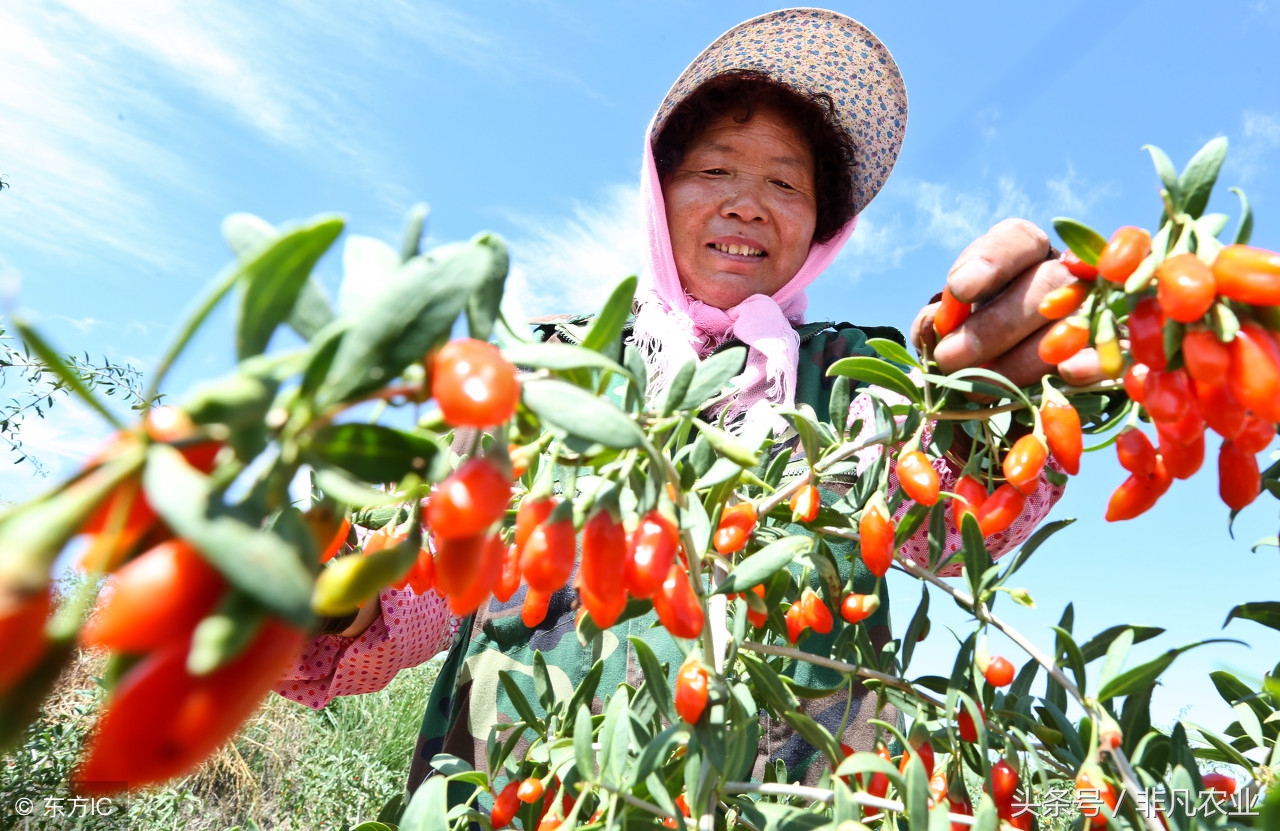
pixel 536 461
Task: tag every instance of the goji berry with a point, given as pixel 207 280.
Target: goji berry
pixel 158 596
pixel 1062 301
pixel 1004 782
pixel 505 805
pixel 22 622
pixel 547 559
pixel 816 614
pixel 1220 409
pixel 737 521
pixel 964 723
pixel 1078 267
pixel 677 606
pixel 1135 382
pixel 471 499
pixel 757 618
pixel 336 541
pixel 487 575
pixel 918 477
pixel 879 784
pixel 805 504
pixel 457 562
pixel 651 553
pixel 918 741
pixel 691 690
pixel 1001 509
pixel 530 790
pixel 604 557
pixel 1024 462
pixel 534 609
pixel 1255 434
pixel 1062 431
pixel 422 578
pixel 1181 459
pixel 118 525
pixel 1168 394
pixel 1186 430
pixel 876 530
pixel 795 622
pixel 161 722
pixel 950 314
pixel 1146 334
pixel 1254 373
pixel 473 384
pixel 1219 783
pixel 533 511
pixel 1207 358
pixel 971 495
pixel 999 672
pixel 1121 256
pixel 604 611
pixel 1135 451
pixel 1239 480
pixel 1138 494
pixel 1185 287
pixel 1063 340
pixel 509 579
pixel 1092 792
pixel 856 608
pixel 1250 275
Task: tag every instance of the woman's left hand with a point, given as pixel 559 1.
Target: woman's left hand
pixel 1006 272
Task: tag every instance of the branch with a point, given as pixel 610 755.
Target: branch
pixel 982 415
pixel 839 455
pixel 827 796
pixel 841 666
pixel 635 802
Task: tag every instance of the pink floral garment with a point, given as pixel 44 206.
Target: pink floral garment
pixel 415 628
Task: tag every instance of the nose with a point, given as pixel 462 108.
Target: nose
pixel 743 200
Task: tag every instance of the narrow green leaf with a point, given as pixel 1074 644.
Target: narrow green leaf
pixel 542 685
pixel 579 413
pixel 977 559
pixel 712 375
pixel 585 692
pixel 1075 660
pixel 917 626
pixel 1232 755
pixel 1167 172
pixel 1080 238
pixel 985 817
pixel 1198 177
pixel 605 334
pixel 910 523
pixel 415 222
pixel 346 491
pixel 893 351
pixel 258 562
pixel 519 701
pixel 655 752
pixel 1245 229
pixel 312 311
pixel 1116 653
pixel 53 361
pixel 878 373
pixel 615 737
pixel 916 796
pixel 1097 646
pixel 377 454
pixel 482 305
pixel 768 684
pixel 1140 676
pixel 1266 612
pixel 559 357
pixel 838 406
pixel 429 808
pixel 273 278
pixel 761 565
pixel 1033 542
pixel 583 757
pixel 655 678
pixel 727 445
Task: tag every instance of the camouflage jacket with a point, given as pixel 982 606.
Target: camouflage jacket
pixel 468 699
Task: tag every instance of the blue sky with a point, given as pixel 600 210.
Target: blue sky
pixel 129 129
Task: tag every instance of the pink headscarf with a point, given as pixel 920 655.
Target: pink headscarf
pixel 671 327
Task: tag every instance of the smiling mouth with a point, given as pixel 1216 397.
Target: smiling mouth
pixel 739 250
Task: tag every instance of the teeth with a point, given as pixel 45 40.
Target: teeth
pixel 738 249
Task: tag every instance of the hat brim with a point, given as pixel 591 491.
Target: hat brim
pixel 815 50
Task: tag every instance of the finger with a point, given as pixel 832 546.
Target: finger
pixel 922 331
pixel 1021 364
pixel 995 259
pixel 1003 323
pixel 1082 369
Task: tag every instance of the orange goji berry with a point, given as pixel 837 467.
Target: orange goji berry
pixel 691 690
pixel 737 521
pixel 1062 301
pixel 1062 431
pixel 757 618
pixel 530 790
pixel 856 608
pixel 471 499
pixel 816 614
pixel 1063 340
pixel 1122 254
pixel 805 504
pixel 534 609
pixel 1184 287
pixel 1024 462
pixel 1250 275
pixel 918 477
pixel 950 314
pixel 473 384
pixel 876 530
pixel 1254 372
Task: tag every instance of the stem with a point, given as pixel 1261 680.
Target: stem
pixel 840 666
pixel 827 796
pixel 1130 780
pixel 206 306
pixel 983 415
pixel 636 802
pixel 839 455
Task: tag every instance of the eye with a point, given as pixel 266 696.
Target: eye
pixel 715 171
pixel 783 185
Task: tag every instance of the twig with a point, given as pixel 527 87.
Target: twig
pixel 840 666
pixel 986 413
pixel 839 455
pixel 636 802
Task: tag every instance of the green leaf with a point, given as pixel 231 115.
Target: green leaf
pixel 274 277
pixel 579 413
pixel 237 400
pixel 542 682
pixel 377 454
pixel 728 446
pixel 977 559
pixel 53 361
pixel 910 523
pixel 712 375
pixel 1198 177
pixel 777 694
pixel 1075 660
pixel 586 690
pixel 1097 646
pixel 482 306
pixel 878 373
pixel 838 406
pixel 655 678
pixel 605 334
pixel 559 357
pixel 346 491
pixel 893 351
pixel 426 296
pixel 917 626
pixel 429 808
pixel 1266 612
pixel 519 701
pixel 615 738
pixel 916 796
pixel 668 400
pixel 1116 653
pixel 655 752
pixel 582 755
pixel 985 817
pixel 1033 542
pixel 1232 755
pixel 1141 676
pixel 761 565
pixel 1167 172
pixel 258 562
pixel 1245 229
pixel 312 311
pixel 415 222
pixel 1080 238
pixel 246 234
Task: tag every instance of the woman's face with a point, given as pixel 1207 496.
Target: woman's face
pixel 741 208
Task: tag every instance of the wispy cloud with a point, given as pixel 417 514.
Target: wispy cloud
pixel 69 434
pixel 1258 145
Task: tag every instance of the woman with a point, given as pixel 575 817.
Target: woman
pixel 756 166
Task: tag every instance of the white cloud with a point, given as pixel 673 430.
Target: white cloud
pixel 1072 196
pixel 1261 139
pixel 68 434
pixel 571 263
pixel 952 217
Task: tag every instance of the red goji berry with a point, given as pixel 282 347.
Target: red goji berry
pixel 971 495
pixel 1092 792
pixel 1254 373
pixel 757 618
pixel 964 722
pixel 1167 394
pixel 1184 287
pixel 1219 783
pixel 1138 494
pixel 651 553
pixel 457 562
pixel 856 608
pixel 1078 267
pixel 795 622
pixel 999 672
pixel 950 314
pixel 1122 254
pixel 1239 480
pixel 1063 340
pixel 534 609
pixel 677 606
pixel 22 622
pixel 1255 434
pixel 547 559
pixel 1024 462
pixel 1220 409
pixel 737 521
pixel 471 499
pixel 1135 382
pixel 533 511
pixel 488 573
pixel 1062 431
pixel 918 477
pixel 1146 334
pixel 1001 509
pixel 530 790
pixel 1181 459
pixel 604 556
pixel 505 805
pixel 1207 358
pixel 805 504
pixel 1135 451
pixel 876 529
pixel 816 614
pixel 473 384
pixel 691 690
pixel 1250 275
pixel 1004 782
